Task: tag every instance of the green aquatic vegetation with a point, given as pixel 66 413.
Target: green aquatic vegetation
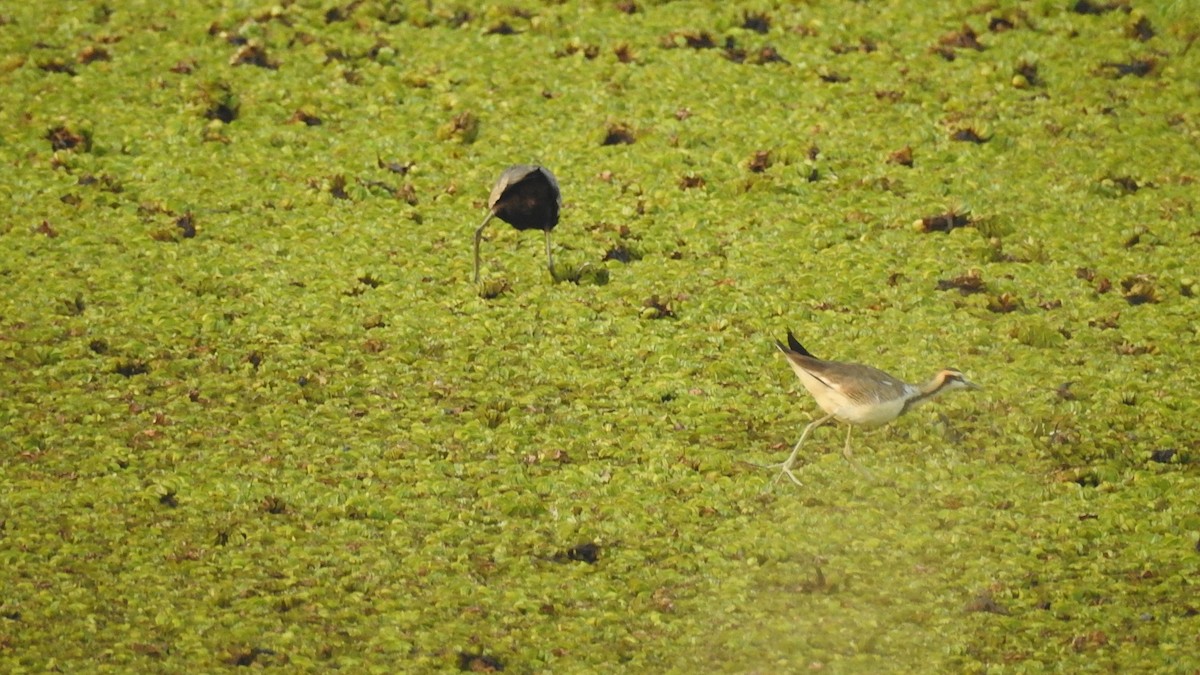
pixel 254 412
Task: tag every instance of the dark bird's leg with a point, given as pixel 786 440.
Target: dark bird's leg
pixel 549 255
pixel 786 466
pixel 478 236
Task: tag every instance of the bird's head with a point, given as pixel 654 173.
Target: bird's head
pixel 951 379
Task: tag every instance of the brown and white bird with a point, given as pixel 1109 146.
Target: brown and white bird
pixel 857 394
pixel 525 196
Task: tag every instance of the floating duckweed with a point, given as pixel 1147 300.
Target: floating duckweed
pixel 1040 335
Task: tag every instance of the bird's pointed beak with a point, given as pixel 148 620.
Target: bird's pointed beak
pixel 972 385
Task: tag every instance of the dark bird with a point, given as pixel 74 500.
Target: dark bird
pixel 858 394
pixel 525 196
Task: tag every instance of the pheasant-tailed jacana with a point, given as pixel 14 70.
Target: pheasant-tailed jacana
pixel 857 394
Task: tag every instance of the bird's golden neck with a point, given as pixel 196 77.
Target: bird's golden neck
pixel 926 391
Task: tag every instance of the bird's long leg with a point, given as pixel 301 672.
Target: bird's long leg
pixel 785 467
pixel 549 255
pixel 850 458
pixel 478 236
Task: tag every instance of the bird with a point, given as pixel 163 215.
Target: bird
pixel 525 196
pixel 857 394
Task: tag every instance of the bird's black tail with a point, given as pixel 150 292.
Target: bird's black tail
pixel 794 346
